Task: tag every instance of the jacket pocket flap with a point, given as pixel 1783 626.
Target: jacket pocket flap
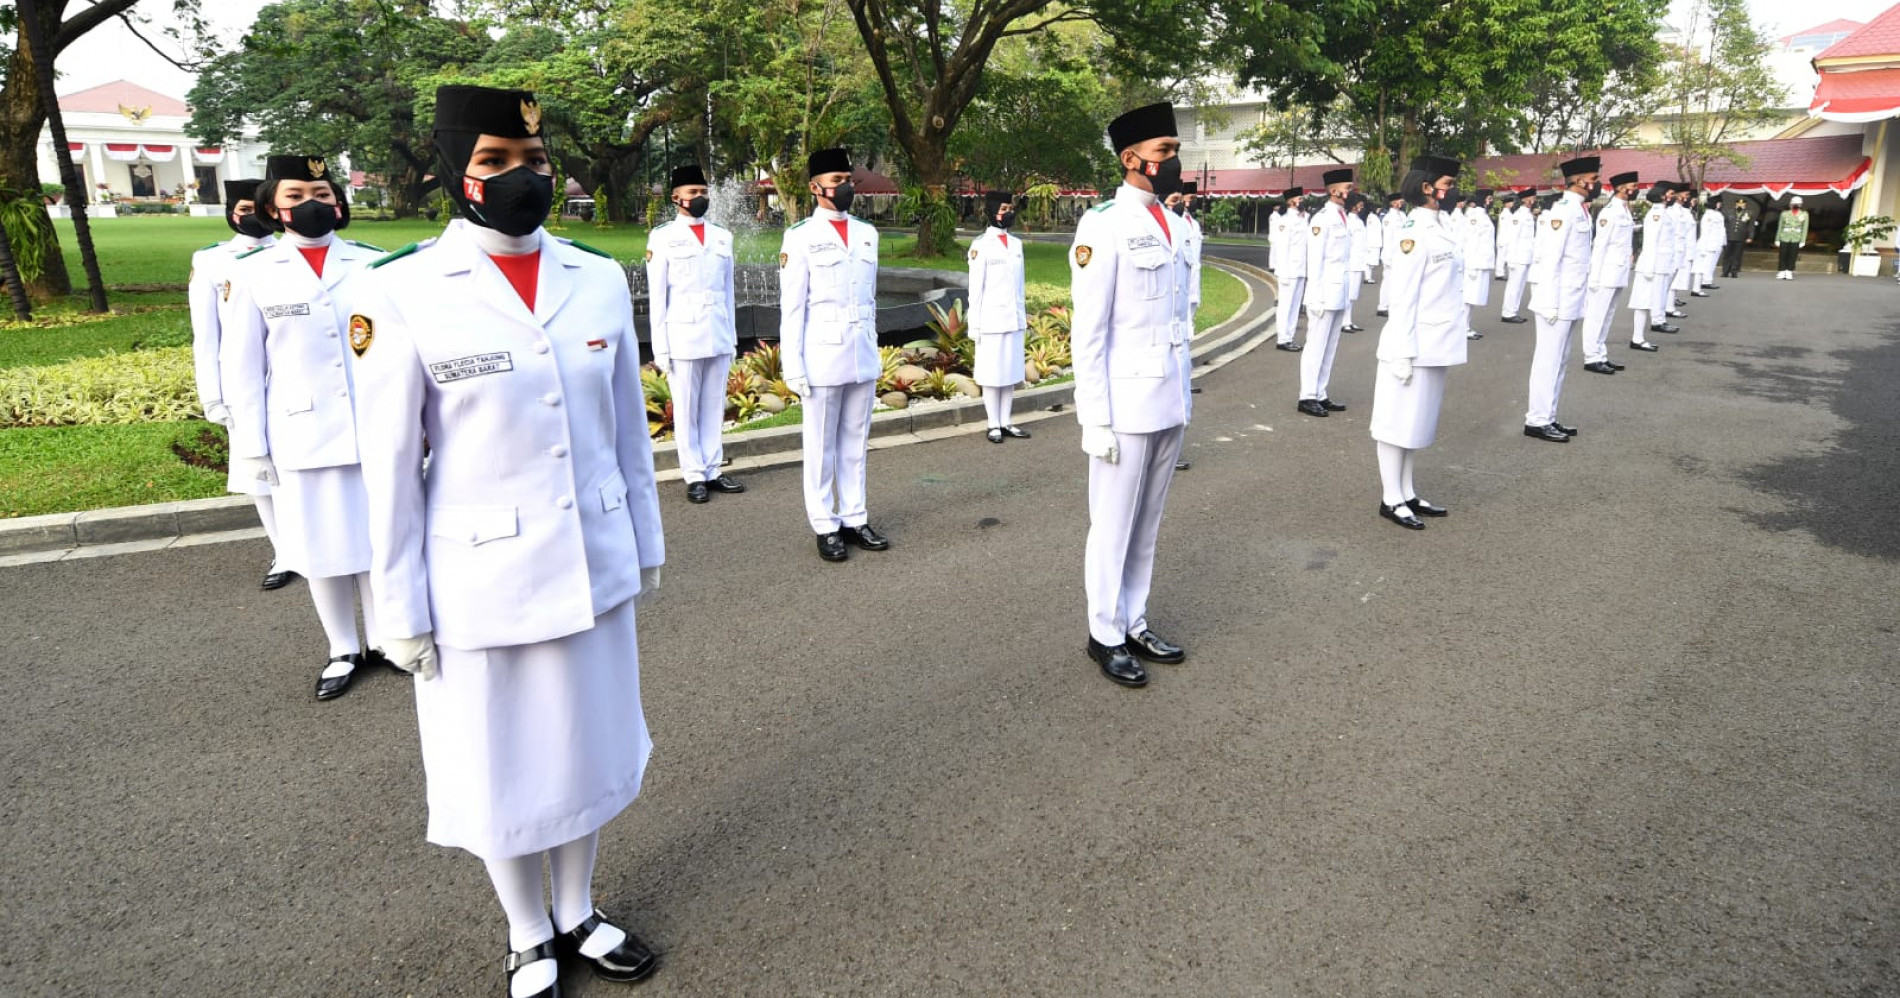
pixel 296 402
pixel 613 493
pixel 473 524
pixel 1148 362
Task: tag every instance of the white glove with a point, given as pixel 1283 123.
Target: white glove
pixel 257 469
pixel 415 656
pixel 801 387
pixel 219 413
pixel 649 585
pixel 1400 370
pixel 1099 442
pixel 665 364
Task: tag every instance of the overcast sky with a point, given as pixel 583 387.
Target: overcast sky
pixel 112 53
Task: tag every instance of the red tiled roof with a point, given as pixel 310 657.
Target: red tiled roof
pixel 1858 93
pixel 107 98
pixel 1880 36
pixel 1835 26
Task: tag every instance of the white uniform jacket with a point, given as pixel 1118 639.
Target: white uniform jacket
pixel 1560 260
pixel 1481 241
pixel 1389 225
pixel 1683 233
pixel 1654 258
pixel 1130 333
pixel 1426 324
pixel 1375 242
pixel 284 359
pixel 1713 236
pixel 1197 240
pixel 1356 230
pixel 539 509
pixel 689 292
pixel 827 299
pixel 996 284
pixel 208 290
pixel 1523 238
pixel 1328 257
pixel 1611 250
pixel 1287 243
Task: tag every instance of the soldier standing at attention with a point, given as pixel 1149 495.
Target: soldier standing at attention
pixel 1481 247
pixel 689 277
pixel 1790 235
pixel 1516 256
pixel 1609 273
pixel 1328 292
pixel 1356 268
pixel 1389 222
pixel 1740 219
pixel 828 344
pixel 1130 338
pixel 998 316
pixel 1288 258
pixel 1560 268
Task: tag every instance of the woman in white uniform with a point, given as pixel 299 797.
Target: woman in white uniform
pixel 1356 271
pixel 1422 338
pixel 997 319
pixel 511 569
pixel 283 365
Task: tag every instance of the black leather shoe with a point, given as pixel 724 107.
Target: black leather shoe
pixel 1332 406
pixel 277 580
pixel 865 537
pixel 1676 313
pixel 1568 431
pixel 1698 294
pixel 696 492
pixel 534 954
pixel 335 686
pixel 1710 287
pixel 1614 366
pixel 831 547
pixel 1288 347
pixel 1664 327
pixel 1382 313
pixel 376 657
pixel 1515 320
pixel 1350 329
pixel 1015 432
pixel 1155 648
pixel 1119 666
pixel 1550 433
pixel 1313 407
pixel 1408 521
pixel 1182 465
pixel 1425 507
pixel 1644 347
pixel 995 435
pixel 726 484
pixel 1474 335
pixel 629 961
pixel 1599 367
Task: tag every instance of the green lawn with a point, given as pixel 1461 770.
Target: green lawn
pixel 59 469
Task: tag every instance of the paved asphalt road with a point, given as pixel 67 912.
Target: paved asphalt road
pixel 1624 724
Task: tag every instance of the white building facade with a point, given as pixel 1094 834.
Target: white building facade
pixel 130 146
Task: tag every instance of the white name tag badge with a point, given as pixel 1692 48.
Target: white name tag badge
pixel 281 311
pixel 471 367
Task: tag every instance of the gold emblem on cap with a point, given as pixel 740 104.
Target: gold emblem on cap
pixel 1083 255
pixel 316 169
pixel 362 333
pixel 531 116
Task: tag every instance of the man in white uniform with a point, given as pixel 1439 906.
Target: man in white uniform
pixel 1516 255
pixel 1356 227
pixel 1130 336
pixel 1682 229
pixel 828 348
pixel 1560 268
pixel 1711 240
pixel 1649 284
pixel 1610 254
pixel 1389 223
pixel 208 290
pixel 1288 253
pixel 1481 247
pixel 1328 291
pixel 998 316
pixel 689 318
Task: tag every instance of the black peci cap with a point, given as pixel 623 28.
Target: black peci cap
pixel 994 200
pixel 687 176
pixel 1190 187
pixel 505 114
pixel 1480 194
pixel 1143 123
pixel 310 168
pixel 1294 192
pixel 1581 165
pixel 1437 166
pixel 1337 177
pixel 239 190
pixel 1623 178
pixel 823 161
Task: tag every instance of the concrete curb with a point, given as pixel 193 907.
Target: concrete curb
pixel 156 526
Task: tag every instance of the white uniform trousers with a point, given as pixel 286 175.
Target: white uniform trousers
pixel 1125 502
pixel 1385 298
pixel 1665 300
pixel 837 430
pixel 1547 368
pixel 1705 267
pixel 1681 281
pixel 1316 361
pixel 1514 287
pixel 1599 308
pixel 699 413
pixel 1291 291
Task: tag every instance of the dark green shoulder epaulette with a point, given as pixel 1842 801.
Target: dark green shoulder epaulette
pixel 583 247
pixel 201 249
pixel 375 249
pixel 399 254
pixel 798 223
pixel 251 252
pixel 1104 206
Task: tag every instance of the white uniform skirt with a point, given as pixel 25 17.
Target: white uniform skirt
pixel 1356 278
pixel 1477 289
pixel 999 359
pixel 1643 292
pixel 532 746
pixel 1407 415
pixel 322 522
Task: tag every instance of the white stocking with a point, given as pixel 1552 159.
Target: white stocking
pixel 518 884
pixel 335 599
pixel 1642 325
pixel 1006 396
pixel 993 406
pixel 573 867
pixel 267 515
pixel 1392 473
pixel 1405 475
pixel 372 637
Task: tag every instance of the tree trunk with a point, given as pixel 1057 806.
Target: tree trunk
pixel 35 33
pixel 21 116
pixel 10 276
pixel 936 217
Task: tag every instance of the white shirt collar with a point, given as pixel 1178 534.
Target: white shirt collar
pixel 1135 194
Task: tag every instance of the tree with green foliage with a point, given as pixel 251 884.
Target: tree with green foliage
pixel 1718 86
pixel 1039 114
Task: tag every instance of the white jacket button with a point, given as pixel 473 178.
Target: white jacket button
pixel 564 502
pixel 558 451
pixel 541 346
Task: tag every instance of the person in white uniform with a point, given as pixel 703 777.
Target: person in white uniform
pixel 1196 239
pixel 1611 252
pixel 1288 259
pixel 1423 338
pixel 828 350
pixel 1711 241
pixel 1375 239
pixel 1328 291
pixel 283 365
pixel 1389 221
pixel 1649 281
pixel 1356 229
pixel 689 318
pixel 513 564
pixel 209 291
pixel 998 314
pixel 1560 269
pixel 1130 335
pixel 1684 229
pixel 1516 255
pixel 1481 247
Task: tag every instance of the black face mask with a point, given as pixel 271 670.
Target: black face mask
pixel 513 203
pixel 699 206
pixel 312 219
pixel 252 225
pixel 1163 175
pixel 841 195
pixel 1177 208
pixel 1008 219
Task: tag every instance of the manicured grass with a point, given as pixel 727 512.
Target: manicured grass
pixel 1222 295
pixel 59 469
pixel 62 333
pixel 1043 263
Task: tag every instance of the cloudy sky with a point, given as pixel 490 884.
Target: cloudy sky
pixel 112 53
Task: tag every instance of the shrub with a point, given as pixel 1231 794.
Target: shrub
pixel 1042 297
pixel 145 386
